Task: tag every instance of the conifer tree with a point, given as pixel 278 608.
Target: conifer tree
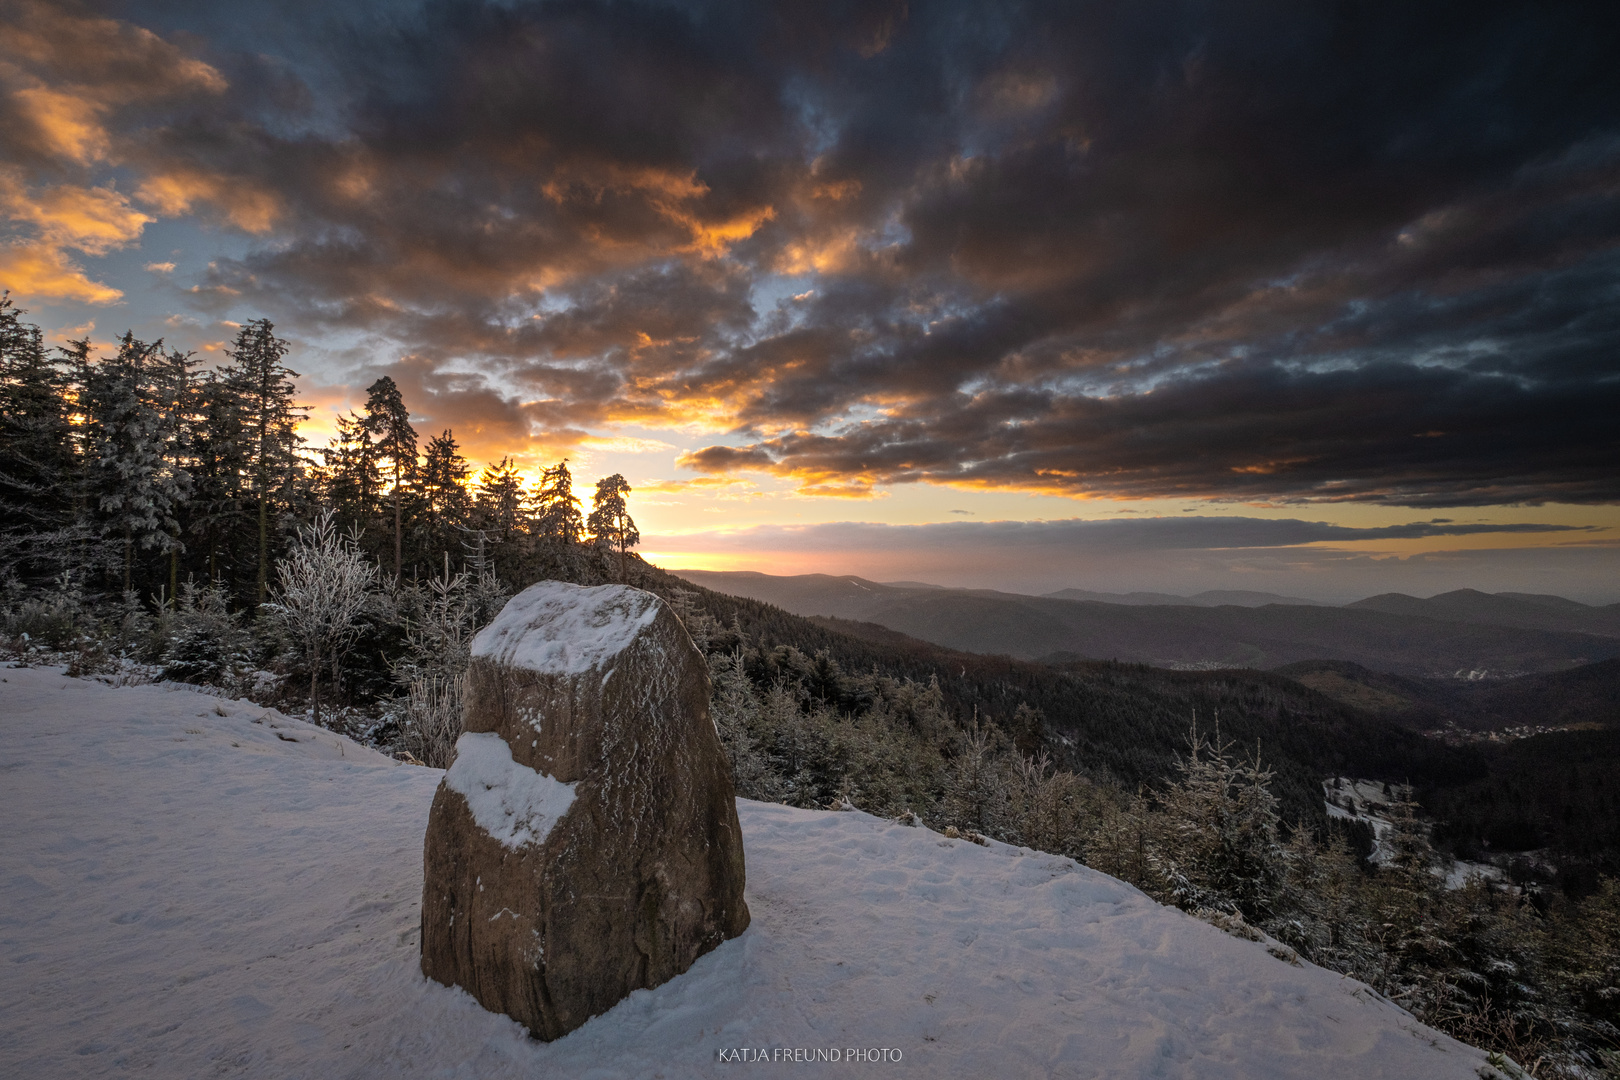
pixel 388 422
pixel 38 462
pixel 264 387
pixel 736 714
pixel 351 480
pixel 976 794
pixel 1222 849
pixel 1408 880
pixel 1587 947
pixel 134 496
pixel 557 519
pixel 611 526
pixel 499 499
pixel 220 469
pixel 324 586
pixel 444 485
pixel 175 398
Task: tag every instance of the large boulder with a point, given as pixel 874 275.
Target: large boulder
pixel 584 843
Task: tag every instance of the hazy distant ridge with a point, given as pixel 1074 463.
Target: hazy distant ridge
pixel 1210 598
pixel 1421 637
pixel 1525 610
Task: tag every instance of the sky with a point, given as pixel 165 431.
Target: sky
pixel 1321 299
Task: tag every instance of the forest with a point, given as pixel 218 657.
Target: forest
pixel 160 519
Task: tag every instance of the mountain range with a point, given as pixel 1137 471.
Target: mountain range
pixel 1345 682
pixel 1465 634
pixel 1210 598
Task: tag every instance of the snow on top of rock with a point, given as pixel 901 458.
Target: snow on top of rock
pixel 513 803
pixel 557 628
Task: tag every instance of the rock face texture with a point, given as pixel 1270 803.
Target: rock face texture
pixel 584 843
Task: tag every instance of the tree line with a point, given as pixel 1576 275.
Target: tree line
pixel 142 470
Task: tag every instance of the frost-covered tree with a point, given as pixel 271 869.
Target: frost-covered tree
pixel 221 473
pixel 976 794
pixel 1587 948
pixel 443 485
pixel 557 518
pixel 1220 844
pixel 264 389
pixel 134 491
pixel 699 623
pixel 441 621
pixel 1046 805
pixel 610 524
pixel 388 422
pixel 323 586
pixel 206 641
pixel 736 714
pixel 38 462
pixel 498 501
pixel 174 394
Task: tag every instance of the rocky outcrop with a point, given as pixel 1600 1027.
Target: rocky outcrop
pixel 584 843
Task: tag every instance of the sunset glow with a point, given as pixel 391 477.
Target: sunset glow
pixel 796 272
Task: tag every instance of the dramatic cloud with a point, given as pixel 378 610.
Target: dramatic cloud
pixel 72 88
pixel 1296 253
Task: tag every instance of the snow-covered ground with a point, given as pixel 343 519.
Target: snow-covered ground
pixel 1371 801
pixel 193 887
pixel 1368 801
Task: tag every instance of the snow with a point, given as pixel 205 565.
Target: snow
pixel 513 803
pixel 557 628
pixel 185 893
pixel 1366 801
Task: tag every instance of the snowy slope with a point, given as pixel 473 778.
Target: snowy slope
pixel 184 893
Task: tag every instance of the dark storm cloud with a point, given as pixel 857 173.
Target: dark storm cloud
pixel 1391 432
pixel 1289 252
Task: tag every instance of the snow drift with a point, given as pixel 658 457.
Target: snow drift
pixel 191 886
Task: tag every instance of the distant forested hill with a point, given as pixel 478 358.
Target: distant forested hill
pixel 1031 628
pixel 1588 695
pixel 1554 794
pixel 1129 721
pixel 1528 611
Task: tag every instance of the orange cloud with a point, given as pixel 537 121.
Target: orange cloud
pixel 701 483
pixel 63 77
pixel 836 190
pixel 69 125
pixel 1267 468
pixel 64 73
pixel 246 205
pixel 61 218
pixel 715 238
pixel 624 444
pixel 843 488
pixel 92 220
pixel 827 254
pixel 674 196
pixel 40 271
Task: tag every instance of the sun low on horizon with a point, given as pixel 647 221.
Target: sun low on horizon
pixel 1314 301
